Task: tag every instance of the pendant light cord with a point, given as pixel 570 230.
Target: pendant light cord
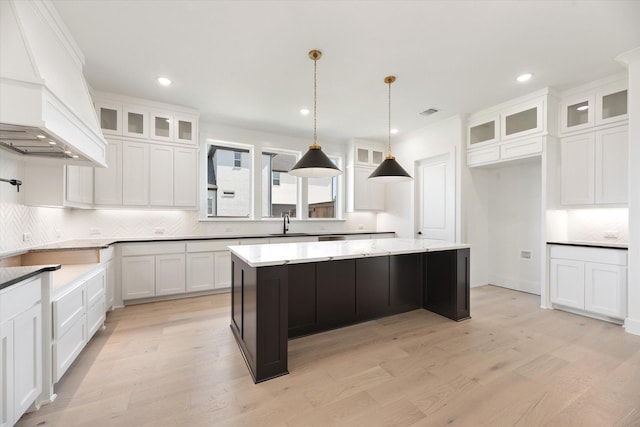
pixel 315 87
pixel 389 140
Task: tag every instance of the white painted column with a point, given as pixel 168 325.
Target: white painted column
pixel 632 60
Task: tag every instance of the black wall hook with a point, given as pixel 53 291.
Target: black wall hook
pixel 15 182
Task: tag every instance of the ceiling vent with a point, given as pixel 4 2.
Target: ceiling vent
pixel 429 111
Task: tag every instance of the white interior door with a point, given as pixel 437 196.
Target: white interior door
pixel 436 197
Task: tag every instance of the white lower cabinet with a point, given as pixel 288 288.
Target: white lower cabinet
pixel 170 274
pixel 222 262
pixel 78 311
pixel 589 279
pixel 138 277
pixel 200 275
pixel 20 349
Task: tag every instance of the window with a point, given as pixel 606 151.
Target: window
pixel 229 191
pixel 323 193
pixel 279 189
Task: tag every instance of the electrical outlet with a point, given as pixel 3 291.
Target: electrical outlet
pixel 26 237
pixel 94 231
pixel 611 234
pixel 524 254
pixel 158 230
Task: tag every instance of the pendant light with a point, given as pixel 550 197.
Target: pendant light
pixel 315 164
pixel 390 171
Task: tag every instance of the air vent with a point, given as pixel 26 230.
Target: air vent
pixel 429 111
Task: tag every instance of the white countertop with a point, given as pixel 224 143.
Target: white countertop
pixel 296 253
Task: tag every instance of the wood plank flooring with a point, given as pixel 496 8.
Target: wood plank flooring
pixel 513 364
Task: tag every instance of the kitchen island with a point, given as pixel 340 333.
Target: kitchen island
pixel 282 291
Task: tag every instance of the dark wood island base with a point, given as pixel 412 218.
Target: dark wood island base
pixel 271 304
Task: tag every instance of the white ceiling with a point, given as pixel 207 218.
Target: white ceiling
pixel 245 63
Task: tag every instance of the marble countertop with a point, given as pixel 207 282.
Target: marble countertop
pixel 105 242
pixel 293 253
pixel 12 275
pixel 608 245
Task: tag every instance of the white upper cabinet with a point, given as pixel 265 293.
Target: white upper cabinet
pixel 108 181
pixel 161 126
pixel 110 117
pixel 522 120
pixel 512 130
pixel 362 159
pixel 597 104
pixel 577 170
pixel 136 122
pixel 611 167
pixel 143 119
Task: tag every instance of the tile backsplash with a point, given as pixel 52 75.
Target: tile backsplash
pixel 594 225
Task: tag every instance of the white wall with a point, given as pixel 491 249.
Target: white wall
pixel 439 138
pixel 514 224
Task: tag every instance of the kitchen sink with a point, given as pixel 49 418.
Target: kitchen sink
pixel 288 234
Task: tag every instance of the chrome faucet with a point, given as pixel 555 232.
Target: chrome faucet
pixel 285 222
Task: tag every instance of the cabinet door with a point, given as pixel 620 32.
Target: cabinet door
pixel 28 358
pixel 135 174
pixel 185 179
pixel 482 132
pixel 110 282
pixel 79 185
pixel 372 287
pixel 110 117
pixel 170 274
pixel 161 175
pixel 404 282
pixel 222 269
pixel 108 181
pixel 162 126
pixel 606 289
pixel 612 103
pixel 336 292
pixel 577 113
pixel 200 271
pixel 136 122
pixel 577 170
pixel 138 277
pixel 525 119
pixel 186 129
pixel 611 174
pixel 567 282
pixel 368 195
pixel 6 374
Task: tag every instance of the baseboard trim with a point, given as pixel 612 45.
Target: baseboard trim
pixel 632 326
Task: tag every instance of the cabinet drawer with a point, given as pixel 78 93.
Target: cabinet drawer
pixel 67 310
pixel 586 254
pixel 516 149
pixel 480 157
pixel 95 316
pixel 211 245
pixel 20 297
pixel 153 249
pixel 67 348
pixel 95 288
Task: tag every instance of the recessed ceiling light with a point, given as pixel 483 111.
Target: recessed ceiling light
pixel 67 152
pixel 524 77
pixel 52 143
pixel 164 81
pixel 40 136
pixel 305 111
pixel 394 131
pixel 582 108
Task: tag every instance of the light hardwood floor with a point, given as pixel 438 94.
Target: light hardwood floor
pixel 513 364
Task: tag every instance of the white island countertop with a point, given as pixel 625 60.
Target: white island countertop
pixel 296 253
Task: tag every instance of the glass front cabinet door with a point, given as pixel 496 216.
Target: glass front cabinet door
pixel 135 123
pixel 482 131
pixel 522 120
pixel 577 113
pixel 611 104
pixel 161 126
pixel 110 118
pixel 185 129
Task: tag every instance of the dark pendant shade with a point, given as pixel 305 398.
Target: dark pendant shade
pixel 389 171
pixel 315 164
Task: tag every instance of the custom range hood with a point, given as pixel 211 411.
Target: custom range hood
pixel 45 105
